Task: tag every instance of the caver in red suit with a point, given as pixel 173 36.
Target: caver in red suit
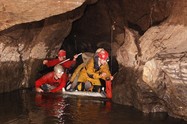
pixel 61 58
pixel 52 81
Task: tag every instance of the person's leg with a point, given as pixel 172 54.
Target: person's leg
pixel 76 72
pixel 81 81
pixel 97 88
pixel 75 82
pixel 71 86
pixel 96 85
pixel 88 86
pixel 80 86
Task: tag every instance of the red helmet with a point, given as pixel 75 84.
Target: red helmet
pixel 61 53
pixel 103 55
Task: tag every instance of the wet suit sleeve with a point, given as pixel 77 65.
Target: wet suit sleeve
pixel 106 70
pixel 42 80
pixel 69 64
pixel 53 62
pixel 62 83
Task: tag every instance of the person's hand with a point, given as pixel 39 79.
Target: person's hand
pixel 75 57
pixel 39 90
pixel 45 62
pixel 103 74
pixel 111 77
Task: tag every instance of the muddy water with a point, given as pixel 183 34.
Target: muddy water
pixel 27 107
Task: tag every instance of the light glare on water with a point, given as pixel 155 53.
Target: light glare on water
pixel 27 107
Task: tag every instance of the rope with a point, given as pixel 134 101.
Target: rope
pixel 111 40
pixel 75 42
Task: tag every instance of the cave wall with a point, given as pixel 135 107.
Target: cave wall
pixel 157 65
pixel 21 57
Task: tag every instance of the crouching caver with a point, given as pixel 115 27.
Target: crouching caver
pixel 96 69
pixel 52 81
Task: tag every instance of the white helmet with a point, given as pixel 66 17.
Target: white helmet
pixel 58 69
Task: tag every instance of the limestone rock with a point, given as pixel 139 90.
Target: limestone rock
pixel 158 82
pixel 126 54
pixel 14 12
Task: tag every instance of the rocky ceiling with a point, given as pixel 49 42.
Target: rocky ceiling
pixel 147 38
pixel 23 11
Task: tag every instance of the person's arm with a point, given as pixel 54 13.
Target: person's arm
pixel 43 80
pixel 70 63
pixel 105 69
pixel 62 82
pixel 39 83
pixel 51 63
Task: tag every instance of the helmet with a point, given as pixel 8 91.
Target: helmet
pixel 103 54
pixel 99 50
pixel 58 69
pixel 62 53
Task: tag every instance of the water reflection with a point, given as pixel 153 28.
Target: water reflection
pixel 52 104
pixel 27 107
pixel 84 110
pixel 78 110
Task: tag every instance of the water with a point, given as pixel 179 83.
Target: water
pixel 27 107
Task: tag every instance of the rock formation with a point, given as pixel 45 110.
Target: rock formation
pixel 155 66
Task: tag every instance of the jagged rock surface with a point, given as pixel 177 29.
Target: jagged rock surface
pixel 14 12
pixel 155 74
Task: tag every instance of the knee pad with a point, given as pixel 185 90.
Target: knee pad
pixel 88 86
